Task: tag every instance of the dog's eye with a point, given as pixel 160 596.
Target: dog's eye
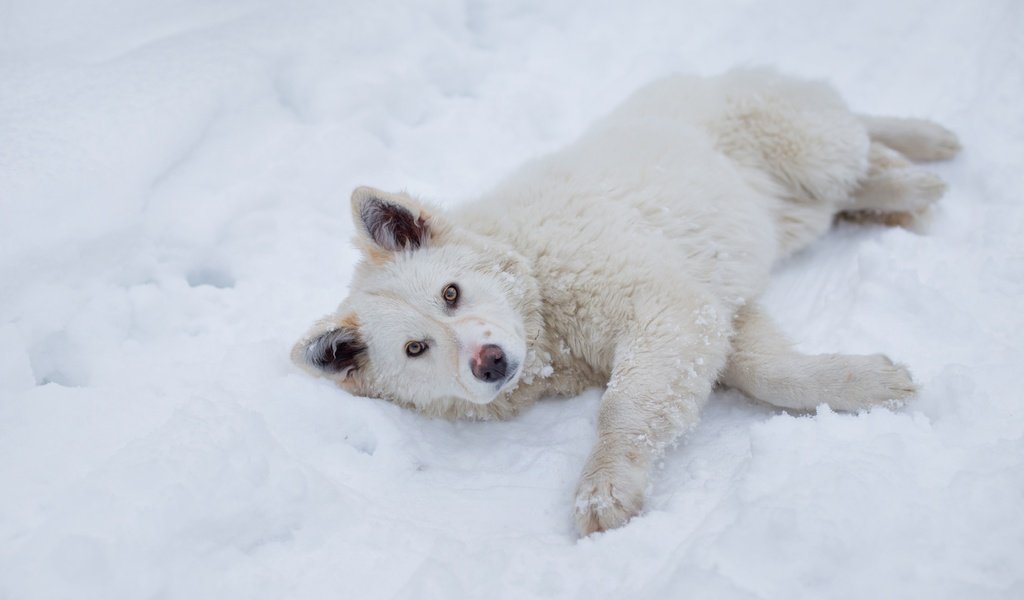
pixel 415 348
pixel 451 294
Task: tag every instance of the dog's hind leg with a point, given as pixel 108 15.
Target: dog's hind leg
pixel 894 191
pixel 764 365
pixel 917 139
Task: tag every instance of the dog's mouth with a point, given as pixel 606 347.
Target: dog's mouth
pixel 511 374
pixel 499 386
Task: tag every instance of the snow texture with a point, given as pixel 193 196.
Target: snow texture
pixel 174 181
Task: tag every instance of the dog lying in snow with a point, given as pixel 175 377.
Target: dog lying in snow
pixel 632 259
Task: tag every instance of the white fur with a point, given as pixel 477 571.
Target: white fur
pixel 633 259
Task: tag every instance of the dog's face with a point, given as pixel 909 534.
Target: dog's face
pixel 431 319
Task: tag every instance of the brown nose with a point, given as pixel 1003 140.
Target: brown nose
pixel 490 364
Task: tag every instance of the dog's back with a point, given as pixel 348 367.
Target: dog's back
pixel 713 179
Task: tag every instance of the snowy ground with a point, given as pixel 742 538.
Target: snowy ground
pixel 174 180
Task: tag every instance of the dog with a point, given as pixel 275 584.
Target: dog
pixel 633 260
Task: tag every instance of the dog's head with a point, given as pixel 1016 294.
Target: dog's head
pixel 434 317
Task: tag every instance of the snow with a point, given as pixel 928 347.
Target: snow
pixel 174 181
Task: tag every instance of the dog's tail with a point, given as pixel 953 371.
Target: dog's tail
pixel 917 139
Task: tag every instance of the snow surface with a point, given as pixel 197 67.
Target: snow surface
pixel 174 181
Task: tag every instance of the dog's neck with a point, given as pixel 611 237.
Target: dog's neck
pixel 528 302
pixel 536 369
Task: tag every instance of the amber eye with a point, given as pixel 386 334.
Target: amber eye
pixel 415 348
pixel 451 294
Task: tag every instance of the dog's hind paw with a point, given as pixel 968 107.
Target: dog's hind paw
pixel 873 380
pixel 933 142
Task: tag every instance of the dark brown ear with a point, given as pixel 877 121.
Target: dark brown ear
pixel 392 222
pixel 331 348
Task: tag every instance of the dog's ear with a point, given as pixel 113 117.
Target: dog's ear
pixel 390 222
pixel 332 347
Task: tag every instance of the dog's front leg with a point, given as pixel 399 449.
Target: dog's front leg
pixel 663 371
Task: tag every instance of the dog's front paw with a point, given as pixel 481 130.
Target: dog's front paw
pixel 609 495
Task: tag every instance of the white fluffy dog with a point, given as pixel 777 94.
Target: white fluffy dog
pixel 632 259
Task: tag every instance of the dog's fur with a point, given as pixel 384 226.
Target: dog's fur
pixel 632 259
